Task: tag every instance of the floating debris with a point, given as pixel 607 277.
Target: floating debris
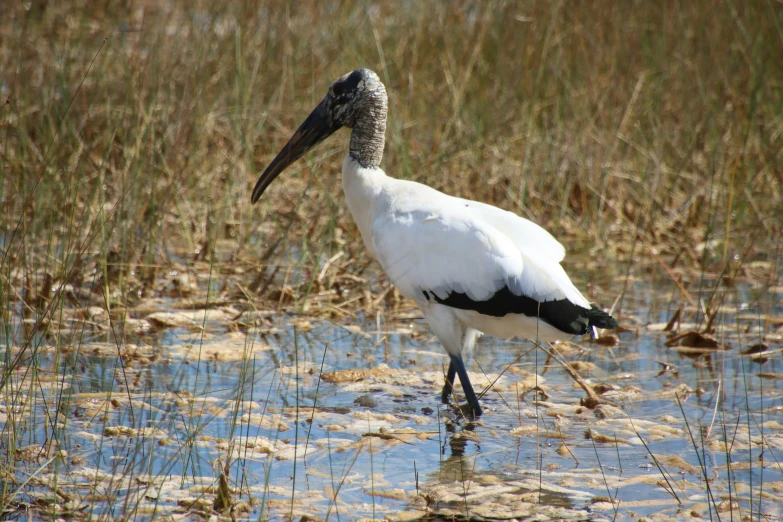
pixel 695 341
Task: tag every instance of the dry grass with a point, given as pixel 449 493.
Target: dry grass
pixel 595 122
pixel 131 135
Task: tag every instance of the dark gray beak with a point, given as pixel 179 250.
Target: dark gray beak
pixel 316 128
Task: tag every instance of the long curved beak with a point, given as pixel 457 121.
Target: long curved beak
pixel 316 128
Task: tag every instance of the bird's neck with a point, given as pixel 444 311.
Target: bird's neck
pixel 369 131
pixel 361 186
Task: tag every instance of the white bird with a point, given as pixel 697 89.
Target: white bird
pixel 469 266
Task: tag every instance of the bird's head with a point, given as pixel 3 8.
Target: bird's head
pixel 347 98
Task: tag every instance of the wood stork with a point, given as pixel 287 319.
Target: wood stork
pixel 469 266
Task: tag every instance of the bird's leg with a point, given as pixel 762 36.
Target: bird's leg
pixel 459 366
pixel 448 387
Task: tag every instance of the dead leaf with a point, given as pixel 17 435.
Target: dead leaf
pixel 351 375
pixel 606 340
pixel 582 366
pixel 677 462
pixel 760 352
pixel 693 339
pixel 602 388
pixel 687 350
pixel 768 375
pixel 185 318
pixel 302 324
pixel 666 367
pixel 754 349
pixel 603 439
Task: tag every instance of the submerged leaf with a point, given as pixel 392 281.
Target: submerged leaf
pixel 185 318
pixel 760 352
pixel 772 376
pixel 693 339
pixel 677 462
pixel 688 350
pixel 606 340
pixel 353 374
pixel 754 349
pixel 602 439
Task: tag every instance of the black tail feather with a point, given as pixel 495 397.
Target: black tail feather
pixel 599 319
pixel 562 314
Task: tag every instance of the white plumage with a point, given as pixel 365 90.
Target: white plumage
pixel 428 241
pixel 469 266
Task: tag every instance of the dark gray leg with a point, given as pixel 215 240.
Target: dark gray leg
pixel 470 395
pixel 449 386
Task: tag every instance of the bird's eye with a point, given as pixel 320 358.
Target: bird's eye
pixel 338 89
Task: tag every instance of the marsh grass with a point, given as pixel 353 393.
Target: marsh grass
pixel 131 134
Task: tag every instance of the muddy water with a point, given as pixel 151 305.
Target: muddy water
pixel 342 419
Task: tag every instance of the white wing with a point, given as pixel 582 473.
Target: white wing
pixel 427 241
pixel 527 236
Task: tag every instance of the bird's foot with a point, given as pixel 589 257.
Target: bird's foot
pixel 468 411
pixel 445 395
pixel 472 411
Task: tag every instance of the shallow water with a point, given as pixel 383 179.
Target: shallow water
pixel 371 438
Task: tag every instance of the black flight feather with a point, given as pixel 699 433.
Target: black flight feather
pixel 561 314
